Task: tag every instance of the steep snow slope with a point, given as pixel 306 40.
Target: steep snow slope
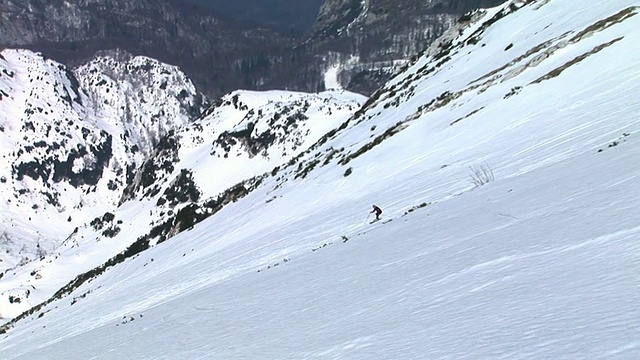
pixel 540 262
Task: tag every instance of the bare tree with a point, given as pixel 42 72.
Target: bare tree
pixel 40 252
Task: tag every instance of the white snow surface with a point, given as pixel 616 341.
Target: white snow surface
pixel 542 262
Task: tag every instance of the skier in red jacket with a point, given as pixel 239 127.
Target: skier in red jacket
pixel 377 211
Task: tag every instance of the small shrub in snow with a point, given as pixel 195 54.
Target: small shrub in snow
pixel 481 174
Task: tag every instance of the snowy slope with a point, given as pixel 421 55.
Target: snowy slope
pixel 540 262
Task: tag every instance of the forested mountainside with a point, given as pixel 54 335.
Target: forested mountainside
pixel 366 40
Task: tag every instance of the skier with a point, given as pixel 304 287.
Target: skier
pixel 377 211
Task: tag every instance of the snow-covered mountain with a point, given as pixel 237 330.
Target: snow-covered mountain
pixel 71 142
pixel 142 111
pixel 504 159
